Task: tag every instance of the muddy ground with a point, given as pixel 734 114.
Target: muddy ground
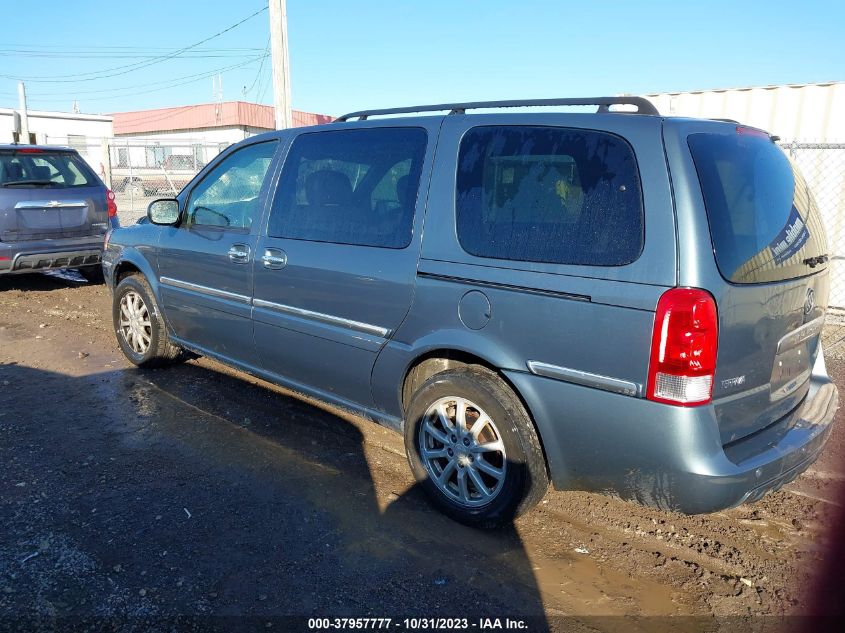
pixel 198 490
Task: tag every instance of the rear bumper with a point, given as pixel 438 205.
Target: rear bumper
pixel 671 457
pixel 27 257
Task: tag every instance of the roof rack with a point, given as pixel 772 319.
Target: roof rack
pixel 644 106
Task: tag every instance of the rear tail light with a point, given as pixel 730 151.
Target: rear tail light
pixel 683 348
pixel 111 203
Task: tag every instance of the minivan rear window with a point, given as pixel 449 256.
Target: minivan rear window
pixel 33 168
pixel 549 195
pixel 764 222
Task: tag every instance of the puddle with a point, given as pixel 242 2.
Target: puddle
pixel 578 583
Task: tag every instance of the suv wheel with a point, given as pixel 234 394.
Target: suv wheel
pixel 473 447
pixel 141 331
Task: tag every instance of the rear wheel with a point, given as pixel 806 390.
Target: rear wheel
pixel 140 329
pixel 473 447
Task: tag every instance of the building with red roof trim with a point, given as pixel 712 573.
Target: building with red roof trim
pixel 203 119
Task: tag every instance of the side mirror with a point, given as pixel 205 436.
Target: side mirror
pixel 164 212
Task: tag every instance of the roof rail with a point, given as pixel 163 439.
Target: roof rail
pixel 644 106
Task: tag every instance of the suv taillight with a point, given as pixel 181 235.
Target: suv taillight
pixel 112 205
pixel 683 348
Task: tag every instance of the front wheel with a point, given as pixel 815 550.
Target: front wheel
pixel 140 329
pixel 473 448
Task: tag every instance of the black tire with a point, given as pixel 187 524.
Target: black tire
pixel 92 274
pixel 159 351
pixel 525 479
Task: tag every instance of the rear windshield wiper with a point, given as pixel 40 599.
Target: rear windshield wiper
pixel 812 262
pixel 20 183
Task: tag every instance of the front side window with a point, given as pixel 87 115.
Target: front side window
pixel 228 196
pixel 550 195
pixel 351 187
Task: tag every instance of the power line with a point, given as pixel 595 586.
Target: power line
pixel 126 68
pixel 264 90
pixel 171 83
pixel 108 50
pixel 110 91
pixel 261 67
pixel 80 55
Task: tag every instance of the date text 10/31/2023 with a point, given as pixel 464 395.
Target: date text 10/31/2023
pixel 418 624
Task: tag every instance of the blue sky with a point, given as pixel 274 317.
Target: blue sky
pixel 348 55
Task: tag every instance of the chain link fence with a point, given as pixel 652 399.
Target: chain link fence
pixel 140 171
pixel 823 166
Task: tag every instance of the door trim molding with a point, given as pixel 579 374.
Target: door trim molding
pixel 366 328
pixel 213 292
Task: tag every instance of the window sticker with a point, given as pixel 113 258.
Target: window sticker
pixel 790 239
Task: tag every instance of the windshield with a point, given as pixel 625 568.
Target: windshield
pixel 763 219
pixel 34 168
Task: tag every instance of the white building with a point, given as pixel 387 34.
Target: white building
pixel 144 138
pixel 87 133
pixel 795 112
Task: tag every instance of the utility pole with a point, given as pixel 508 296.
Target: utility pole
pixel 280 64
pixel 24 136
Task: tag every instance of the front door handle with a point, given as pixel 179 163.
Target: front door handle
pixel 274 258
pixel 239 254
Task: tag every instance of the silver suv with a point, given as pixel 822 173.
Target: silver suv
pixel 612 301
pixel 54 211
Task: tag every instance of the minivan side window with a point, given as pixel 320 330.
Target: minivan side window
pixel 228 196
pixel 549 195
pixel 350 187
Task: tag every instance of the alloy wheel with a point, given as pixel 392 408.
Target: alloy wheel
pixel 463 452
pixel 134 322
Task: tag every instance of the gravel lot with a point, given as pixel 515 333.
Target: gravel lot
pixel 199 490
